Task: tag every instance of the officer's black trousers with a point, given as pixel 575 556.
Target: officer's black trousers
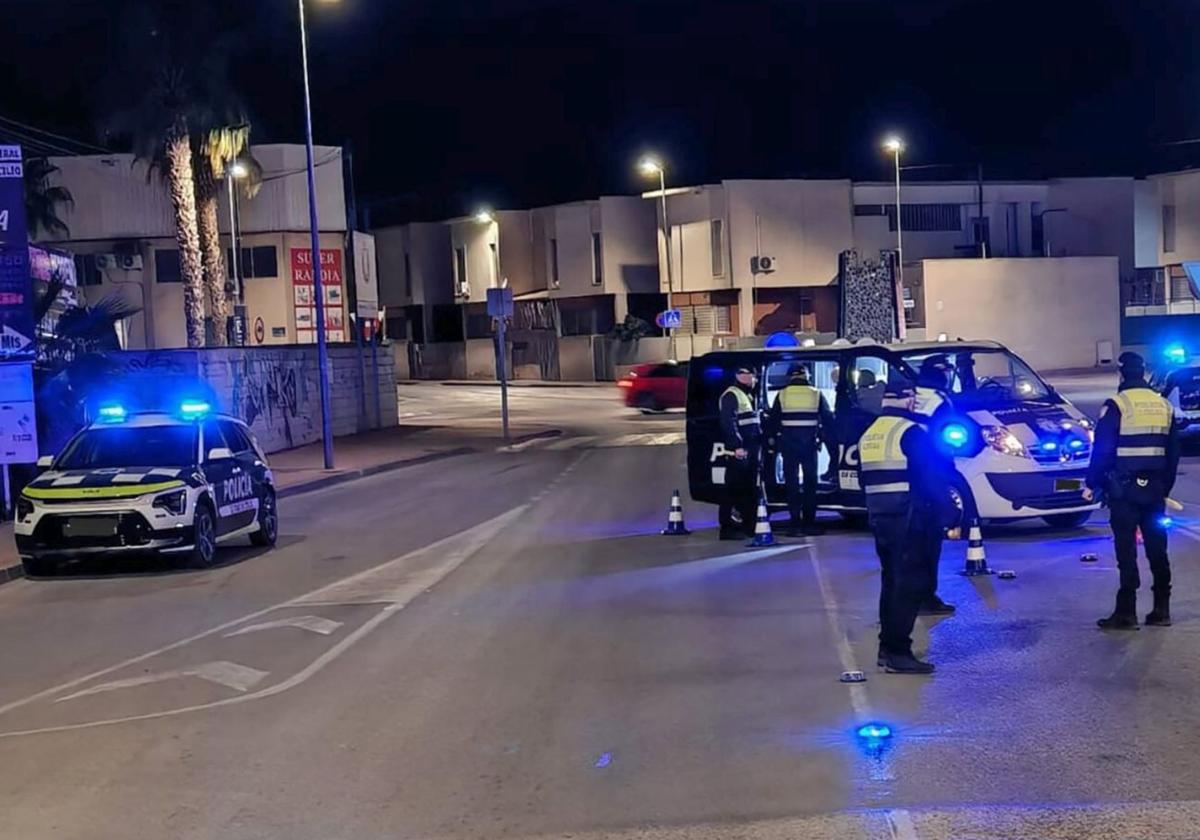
pixel 929 539
pixel 905 577
pixel 801 494
pixel 1126 517
pixel 741 480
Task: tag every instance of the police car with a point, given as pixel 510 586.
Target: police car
pixel 176 484
pixel 1175 373
pixel 1021 450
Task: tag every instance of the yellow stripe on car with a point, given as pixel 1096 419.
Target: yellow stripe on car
pixel 110 492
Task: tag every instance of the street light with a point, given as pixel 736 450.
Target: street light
pixel 318 294
pixel 651 166
pixel 484 217
pixel 895 145
pixel 235 172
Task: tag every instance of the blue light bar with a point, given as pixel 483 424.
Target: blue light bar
pixel 781 339
pixel 193 408
pixel 1076 444
pixel 112 412
pixel 874 731
pixel 1175 353
pixel 955 434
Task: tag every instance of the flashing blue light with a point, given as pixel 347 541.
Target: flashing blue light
pixel 1166 521
pixel 1050 446
pixel 112 412
pixel 604 760
pixel 781 339
pixel 1175 353
pixel 193 408
pixel 874 731
pixel 1076 444
pixel 955 434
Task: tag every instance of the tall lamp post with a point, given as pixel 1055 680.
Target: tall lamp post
pixel 318 292
pixel 651 166
pixel 236 171
pixel 895 145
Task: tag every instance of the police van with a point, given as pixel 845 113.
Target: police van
pixel 1020 449
pixel 176 484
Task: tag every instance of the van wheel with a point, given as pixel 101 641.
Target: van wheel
pixel 1068 520
pixel 853 518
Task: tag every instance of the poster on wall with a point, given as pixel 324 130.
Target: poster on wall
pixel 304 293
pixel 16 285
pixel 366 285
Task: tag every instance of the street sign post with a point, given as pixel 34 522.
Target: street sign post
pixel 670 319
pixel 500 307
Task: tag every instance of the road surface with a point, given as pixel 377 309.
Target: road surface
pixel 501 645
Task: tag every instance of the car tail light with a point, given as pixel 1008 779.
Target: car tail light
pixel 624 383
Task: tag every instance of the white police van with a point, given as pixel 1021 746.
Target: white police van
pixel 173 484
pixel 1021 449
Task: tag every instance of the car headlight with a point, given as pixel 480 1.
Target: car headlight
pixel 1003 441
pixel 174 502
pixel 24 508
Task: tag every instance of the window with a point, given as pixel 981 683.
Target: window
pixel 261 261
pixel 554 263
pixel 718 247
pixel 460 269
pixel 1168 228
pixel 145 446
pixel 235 437
pixel 407 275
pixel 495 250
pixel 925 217
pixel 870 210
pixel 214 438
pixel 597 260
pixel 166 267
pixel 86 272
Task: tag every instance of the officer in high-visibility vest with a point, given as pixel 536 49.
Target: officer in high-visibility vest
pixel 799 422
pixel 934 378
pixel 742 435
pixel 1135 459
pixel 905 479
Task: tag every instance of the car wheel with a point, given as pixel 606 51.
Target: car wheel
pixel 38 567
pixel 1068 520
pixel 649 404
pixel 268 522
pixel 204 541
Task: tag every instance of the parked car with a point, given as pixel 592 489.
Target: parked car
pixel 655 386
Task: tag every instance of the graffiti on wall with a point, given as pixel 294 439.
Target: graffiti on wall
pixel 271 395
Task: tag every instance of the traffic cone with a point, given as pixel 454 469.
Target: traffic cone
pixel 675 526
pixel 976 555
pixel 762 525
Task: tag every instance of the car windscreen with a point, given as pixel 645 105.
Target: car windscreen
pixel 978 376
pixel 124 446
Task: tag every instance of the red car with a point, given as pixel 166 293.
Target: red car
pixel 656 386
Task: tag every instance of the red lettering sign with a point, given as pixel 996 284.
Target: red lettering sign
pixel 331 267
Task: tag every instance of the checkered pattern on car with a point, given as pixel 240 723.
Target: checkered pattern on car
pixel 107 478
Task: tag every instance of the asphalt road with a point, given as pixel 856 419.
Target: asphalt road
pixel 501 645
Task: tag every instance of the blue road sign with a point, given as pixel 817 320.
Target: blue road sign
pixel 671 319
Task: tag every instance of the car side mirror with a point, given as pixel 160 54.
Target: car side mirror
pixel 219 453
pixel 44 463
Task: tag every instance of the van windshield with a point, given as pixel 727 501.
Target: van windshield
pixel 978 375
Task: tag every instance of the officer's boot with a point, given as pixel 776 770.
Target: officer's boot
pixel 1160 616
pixel 1124 616
pixel 906 663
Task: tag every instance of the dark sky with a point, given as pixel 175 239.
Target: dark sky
pixel 450 103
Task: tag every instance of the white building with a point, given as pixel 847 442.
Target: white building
pixel 122 231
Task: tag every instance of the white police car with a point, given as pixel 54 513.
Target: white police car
pixel 173 484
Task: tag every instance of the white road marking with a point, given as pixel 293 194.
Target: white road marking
pixel 314 623
pixel 489 527
pixel 900 824
pixel 858 691
pixel 229 674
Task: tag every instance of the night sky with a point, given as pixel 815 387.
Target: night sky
pixel 515 103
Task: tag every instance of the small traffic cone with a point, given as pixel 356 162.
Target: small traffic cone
pixel 675 526
pixel 976 555
pixel 762 525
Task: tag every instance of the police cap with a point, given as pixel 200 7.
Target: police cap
pixel 1133 366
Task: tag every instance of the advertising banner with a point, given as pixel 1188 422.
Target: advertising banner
pixel 16 286
pixel 333 287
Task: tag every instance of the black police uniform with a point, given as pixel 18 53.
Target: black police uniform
pixel 905 480
pixel 799 421
pixel 740 429
pixel 1135 460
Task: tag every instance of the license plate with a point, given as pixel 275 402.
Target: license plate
pixel 1068 485
pixel 92 526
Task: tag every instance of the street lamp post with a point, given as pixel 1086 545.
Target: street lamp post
pixel 236 171
pixel 318 293
pixel 652 166
pixel 895 145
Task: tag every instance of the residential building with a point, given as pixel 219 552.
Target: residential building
pixel 416 285
pixel 122 232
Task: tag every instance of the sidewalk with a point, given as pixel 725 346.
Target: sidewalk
pixel 495 383
pixel 301 470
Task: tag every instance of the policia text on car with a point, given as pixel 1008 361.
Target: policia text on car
pixel 906 480
pixel 1134 464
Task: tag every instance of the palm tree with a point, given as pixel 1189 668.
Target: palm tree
pixel 44 201
pixel 165 93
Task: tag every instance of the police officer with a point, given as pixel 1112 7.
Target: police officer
pixel 799 421
pixel 1134 463
pixel 742 434
pixel 905 480
pixel 934 378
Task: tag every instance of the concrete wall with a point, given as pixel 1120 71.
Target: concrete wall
pixel 690 215
pixel 478 239
pixel 1182 191
pixel 576 359
pixel 400 365
pixel 276 390
pixel 1147 221
pixel 629 241
pixel 1099 219
pixel 1051 312
pixel 480 354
